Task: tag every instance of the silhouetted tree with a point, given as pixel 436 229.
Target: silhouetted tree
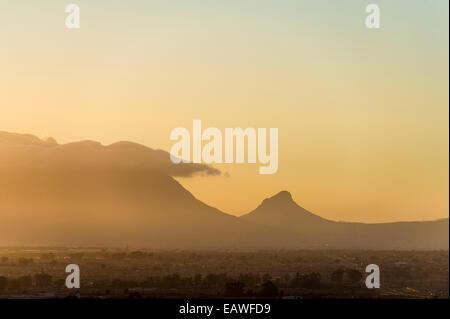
pixel 43 280
pixel 135 295
pixel 266 277
pixel 3 283
pixel 249 280
pixel 337 275
pixel 20 282
pixel 234 289
pixel 268 290
pixel 198 279
pixel 353 275
pixel 311 281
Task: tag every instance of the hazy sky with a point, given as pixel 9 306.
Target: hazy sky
pixel 362 114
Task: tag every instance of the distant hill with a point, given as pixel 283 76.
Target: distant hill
pixel 281 212
pixel 89 194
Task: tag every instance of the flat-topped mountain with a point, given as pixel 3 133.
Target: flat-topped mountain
pixel 88 194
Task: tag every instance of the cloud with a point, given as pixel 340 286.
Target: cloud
pixel 191 169
pixel 24 150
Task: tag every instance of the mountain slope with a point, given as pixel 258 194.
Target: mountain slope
pixel 281 212
pixel 88 194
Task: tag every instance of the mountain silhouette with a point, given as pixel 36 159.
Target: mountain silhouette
pixel 88 194
pixel 281 211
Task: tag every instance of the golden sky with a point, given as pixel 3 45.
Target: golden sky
pixel 362 114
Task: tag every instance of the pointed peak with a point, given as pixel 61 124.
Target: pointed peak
pixel 50 140
pixel 283 195
pixel 279 198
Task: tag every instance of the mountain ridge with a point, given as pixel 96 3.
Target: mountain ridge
pixel 85 193
pixel 282 212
